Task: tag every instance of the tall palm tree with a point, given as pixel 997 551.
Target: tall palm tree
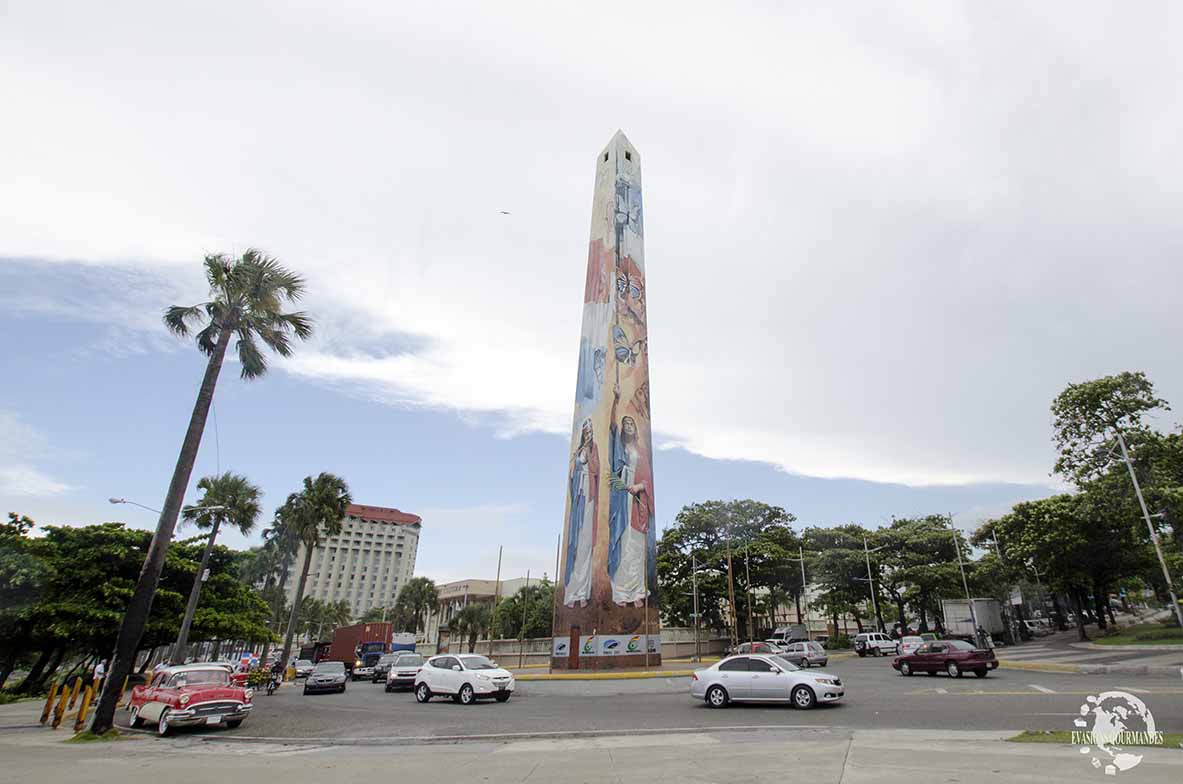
pixel 313 513
pixel 418 597
pixel 247 300
pixel 235 501
pixel 472 622
pixel 280 544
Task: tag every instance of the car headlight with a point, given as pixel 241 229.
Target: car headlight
pixel 184 699
pixel 827 681
pixel 248 694
pixel 357 663
pixel 480 677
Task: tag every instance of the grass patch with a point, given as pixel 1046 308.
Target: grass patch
pixel 86 736
pixel 1145 634
pixel 8 697
pixel 1170 740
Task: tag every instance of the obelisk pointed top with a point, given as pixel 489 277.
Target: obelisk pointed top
pixel 619 144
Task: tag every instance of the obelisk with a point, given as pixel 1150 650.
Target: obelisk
pixel 606 609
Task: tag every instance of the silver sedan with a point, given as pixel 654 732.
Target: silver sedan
pixel 763 678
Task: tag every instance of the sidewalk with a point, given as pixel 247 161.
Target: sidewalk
pixel 1062 652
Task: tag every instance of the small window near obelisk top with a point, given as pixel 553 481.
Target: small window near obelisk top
pixel 605 156
pixel 628 156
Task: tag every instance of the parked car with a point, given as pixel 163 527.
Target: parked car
pixel 1035 628
pixel 755 647
pixel 910 643
pixel 327 676
pixel 465 678
pixel 875 644
pixel 762 678
pixel 303 667
pixel 806 654
pixel 955 657
pixel 188 695
pixel 401 674
pixel 929 636
pixel 382 666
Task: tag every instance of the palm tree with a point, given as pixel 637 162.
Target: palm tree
pixel 235 501
pixel 313 513
pixel 418 597
pixel 472 621
pixel 275 563
pixel 246 305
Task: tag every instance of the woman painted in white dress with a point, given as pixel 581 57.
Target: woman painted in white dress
pixel 584 488
pixel 630 512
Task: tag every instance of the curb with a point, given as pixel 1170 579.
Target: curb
pixel 604 676
pixel 1091 669
pixel 1092 646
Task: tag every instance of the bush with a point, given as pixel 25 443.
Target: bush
pixel 258 678
pixel 838 641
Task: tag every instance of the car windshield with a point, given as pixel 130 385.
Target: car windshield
pixel 783 663
pixel 408 660
pixel 193 677
pixel 477 663
pixel 330 667
pixel 913 640
pixel 303 663
pixel 387 659
pixel 960 645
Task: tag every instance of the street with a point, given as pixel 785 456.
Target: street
pixel 877 698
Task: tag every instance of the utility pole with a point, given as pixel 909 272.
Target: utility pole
pixel 748 578
pixel 1166 573
pixel 554 595
pixel 804 596
pixel 871 584
pixel 496 596
pixel 694 588
pixel 522 630
pixel 731 592
pixel 973 616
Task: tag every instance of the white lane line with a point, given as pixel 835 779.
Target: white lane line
pixel 1043 689
pixel 942 691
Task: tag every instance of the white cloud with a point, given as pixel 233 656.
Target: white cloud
pixel 879 241
pixel 20 447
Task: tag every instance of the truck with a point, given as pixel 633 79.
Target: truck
pixel 793 633
pixel 959 621
pixel 359 646
pixel 402 641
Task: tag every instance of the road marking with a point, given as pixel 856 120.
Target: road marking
pixel 941 691
pixel 1043 689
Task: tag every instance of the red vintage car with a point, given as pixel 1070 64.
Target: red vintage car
pixel 189 695
pixel 955 657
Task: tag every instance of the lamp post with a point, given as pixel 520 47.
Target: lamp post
pixel 1166 573
pixel 871 581
pixel 973 616
pixel 804 596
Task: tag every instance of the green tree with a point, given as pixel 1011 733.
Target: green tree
pixel 416 599
pixel 527 614
pixel 272 566
pixel 472 622
pixel 313 513
pixel 761 543
pixel 919 564
pixel 246 305
pixel 22 582
pixel 228 498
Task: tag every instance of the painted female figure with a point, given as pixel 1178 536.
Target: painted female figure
pixel 584 488
pixel 630 512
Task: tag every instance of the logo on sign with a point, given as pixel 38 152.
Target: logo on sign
pixel 561 648
pixel 633 644
pixel 587 647
pixel 611 645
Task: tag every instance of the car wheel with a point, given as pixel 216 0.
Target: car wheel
pixel 135 721
pixel 717 697
pixel 980 673
pixel 422 693
pixel 905 668
pixel 163 728
pixel 502 697
pixel 953 670
pixel 861 654
pixel 388 689
pixel 876 652
pixel 233 724
pixel 342 689
pixel 804 698
pixel 466 695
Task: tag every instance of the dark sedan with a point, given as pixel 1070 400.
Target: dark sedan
pixel 955 657
pixel 327 676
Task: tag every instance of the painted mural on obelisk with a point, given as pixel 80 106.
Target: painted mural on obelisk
pixel 607 604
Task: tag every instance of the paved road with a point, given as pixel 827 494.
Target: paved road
pixel 877 698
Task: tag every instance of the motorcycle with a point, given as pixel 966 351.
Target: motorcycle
pixel 272 683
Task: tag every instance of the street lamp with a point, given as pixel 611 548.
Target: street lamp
pixel 870 580
pixel 973 615
pixel 804 596
pixel 157 511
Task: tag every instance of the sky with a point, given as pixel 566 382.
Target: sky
pixel 879 241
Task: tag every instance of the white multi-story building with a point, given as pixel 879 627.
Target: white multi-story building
pixel 367 563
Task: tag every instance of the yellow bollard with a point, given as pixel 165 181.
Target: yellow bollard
pixel 61 708
pixel 74 692
pixel 53 693
pixel 87 696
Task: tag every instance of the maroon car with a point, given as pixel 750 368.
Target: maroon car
pixel 955 657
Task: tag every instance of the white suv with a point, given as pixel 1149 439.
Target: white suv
pixel 875 644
